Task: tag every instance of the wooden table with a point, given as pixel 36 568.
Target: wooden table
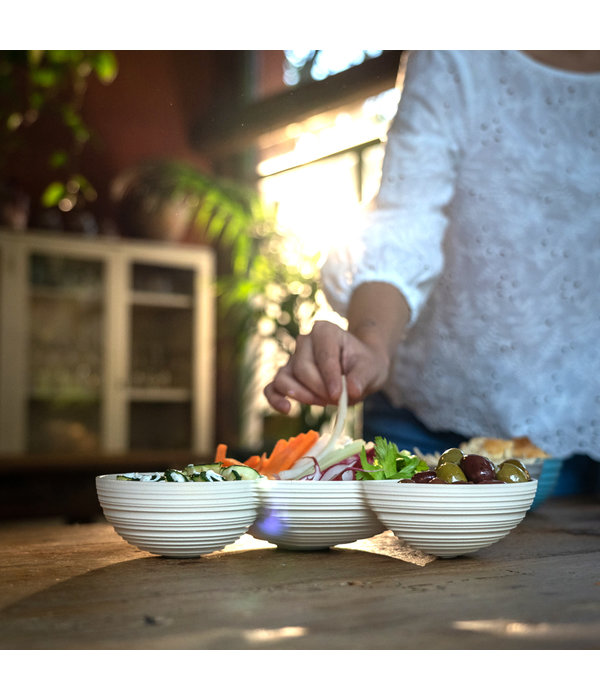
pixel 82 587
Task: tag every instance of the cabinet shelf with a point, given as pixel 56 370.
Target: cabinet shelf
pixel 159 394
pixel 106 345
pixel 83 295
pixel 162 299
pixel 65 396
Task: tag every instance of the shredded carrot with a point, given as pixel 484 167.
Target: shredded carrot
pixel 221 456
pixel 253 461
pixel 287 452
pixel 280 446
pixel 283 456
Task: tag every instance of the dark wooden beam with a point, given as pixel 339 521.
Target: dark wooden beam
pixel 236 127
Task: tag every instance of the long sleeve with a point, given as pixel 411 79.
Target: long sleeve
pixel 399 238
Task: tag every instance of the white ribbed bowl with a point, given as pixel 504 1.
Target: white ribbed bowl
pixel 178 519
pixel 306 515
pixel 449 520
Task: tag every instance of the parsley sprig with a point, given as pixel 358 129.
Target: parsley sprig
pixel 390 462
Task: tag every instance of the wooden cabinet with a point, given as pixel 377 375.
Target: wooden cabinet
pixel 106 345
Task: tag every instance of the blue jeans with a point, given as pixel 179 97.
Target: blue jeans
pixel 401 426
pixel 580 474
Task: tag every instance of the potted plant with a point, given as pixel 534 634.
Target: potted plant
pixel 263 292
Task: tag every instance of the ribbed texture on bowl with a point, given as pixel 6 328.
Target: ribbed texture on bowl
pixel 194 518
pixel 306 515
pixel 178 519
pixel 449 520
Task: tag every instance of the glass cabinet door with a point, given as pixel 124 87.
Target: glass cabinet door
pixel 161 344
pixel 106 346
pixel 65 354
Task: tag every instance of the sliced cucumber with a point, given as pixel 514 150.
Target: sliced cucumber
pixel 240 472
pixel 209 475
pixel 198 472
pixel 174 475
pixel 195 469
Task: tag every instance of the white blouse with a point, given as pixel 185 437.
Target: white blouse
pixel 488 221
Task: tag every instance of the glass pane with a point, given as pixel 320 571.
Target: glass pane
pixel 305 66
pixel 71 274
pixel 65 354
pixel 63 426
pixel 161 347
pixel 160 426
pixel 327 133
pixel 275 71
pixel 167 280
pixel 315 203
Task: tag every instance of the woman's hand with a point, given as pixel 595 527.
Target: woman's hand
pixel 313 374
pixel 377 317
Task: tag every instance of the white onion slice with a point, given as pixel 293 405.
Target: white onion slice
pixel 340 420
pixel 305 465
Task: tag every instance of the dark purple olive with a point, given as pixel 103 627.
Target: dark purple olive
pixel 477 468
pixel 491 481
pixel 424 477
pixel 437 480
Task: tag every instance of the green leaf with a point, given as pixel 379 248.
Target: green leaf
pixel 58 159
pixel 386 454
pixel 393 463
pixel 106 66
pixel 371 471
pixel 44 77
pixel 53 193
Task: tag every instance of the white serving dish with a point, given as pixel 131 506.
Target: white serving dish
pixel 178 519
pixel 449 520
pixel 307 515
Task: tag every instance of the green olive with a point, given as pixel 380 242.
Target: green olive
pixel 519 464
pixel 511 473
pixel 453 455
pixel 450 473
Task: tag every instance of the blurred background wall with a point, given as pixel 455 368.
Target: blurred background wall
pixel 297 134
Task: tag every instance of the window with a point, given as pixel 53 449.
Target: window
pixel 308 128
pixel 301 65
pixel 317 172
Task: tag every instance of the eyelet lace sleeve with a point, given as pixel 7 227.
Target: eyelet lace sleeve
pixel 399 239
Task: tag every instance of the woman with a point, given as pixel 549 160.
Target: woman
pixel 472 291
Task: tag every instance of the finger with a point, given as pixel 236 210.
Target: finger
pixel 277 400
pixel 364 373
pixel 303 367
pixel 327 344
pixel 285 385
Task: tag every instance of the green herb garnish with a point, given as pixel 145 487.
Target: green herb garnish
pixel 390 462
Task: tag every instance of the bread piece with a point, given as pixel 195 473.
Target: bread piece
pixel 527 450
pixel 498 450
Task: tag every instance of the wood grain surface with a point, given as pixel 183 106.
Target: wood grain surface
pixel 82 587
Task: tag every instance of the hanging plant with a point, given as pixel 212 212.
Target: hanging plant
pixel 46 89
